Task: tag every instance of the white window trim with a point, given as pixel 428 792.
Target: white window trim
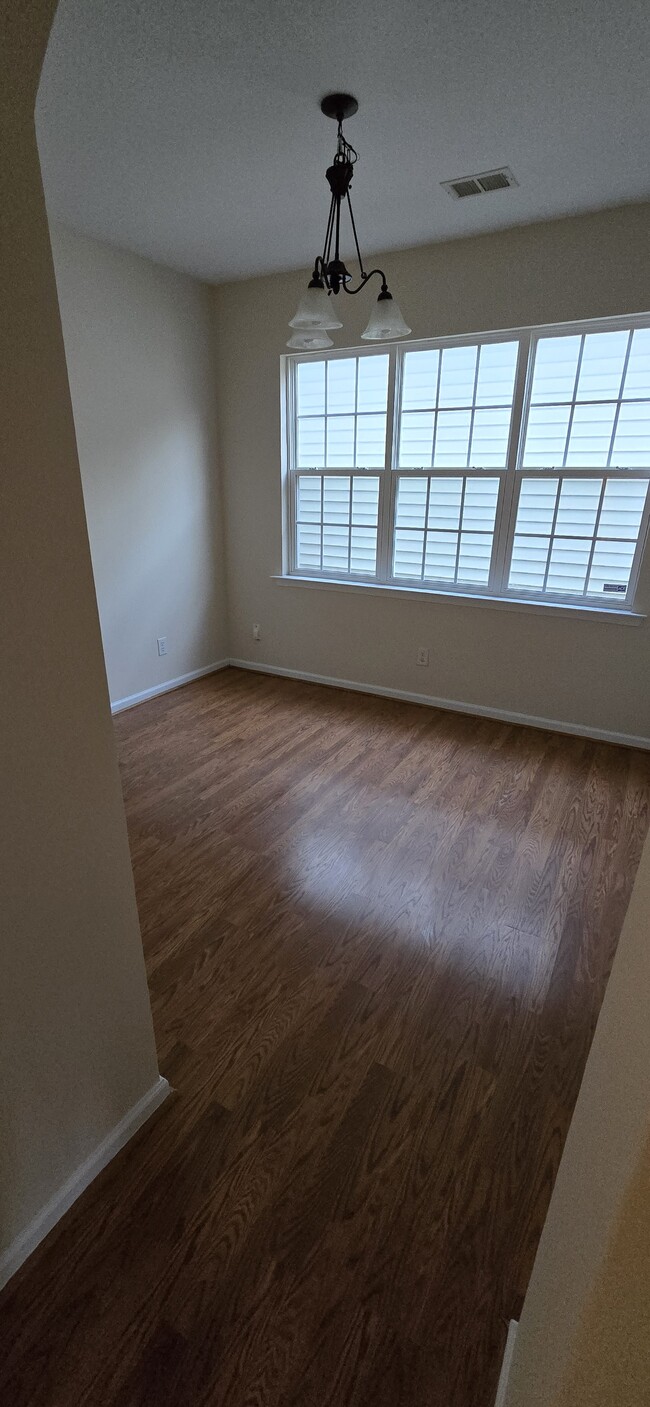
pixel 496 591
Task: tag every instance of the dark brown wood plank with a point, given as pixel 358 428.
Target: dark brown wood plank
pixel 377 939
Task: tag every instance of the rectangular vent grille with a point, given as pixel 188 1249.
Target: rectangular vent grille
pixel 481 184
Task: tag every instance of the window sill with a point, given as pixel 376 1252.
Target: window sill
pixel 411 593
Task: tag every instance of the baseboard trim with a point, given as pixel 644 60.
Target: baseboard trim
pixel 20 1249
pixel 502 1389
pixel 132 699
pixel 502 715
pixel 553 725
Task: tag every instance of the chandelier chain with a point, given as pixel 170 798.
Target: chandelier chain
pixel 345 151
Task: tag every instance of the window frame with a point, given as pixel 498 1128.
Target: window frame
pixel 511 477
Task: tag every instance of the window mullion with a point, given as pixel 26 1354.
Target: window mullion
pixel 595 536
pixel 325 436
pixel 504 528
pixel 356 410
pixel 479 349
pixel 502 533
pixel 391 501
pixel 322 516
pixel 573 406
pixel 386 496
pixel 641 542
pixel 551 537
pixel 350 493
pixel 521 401
pixel 436 409
pixel 290 558
pixel 426 529
pixel 460 527
pixel 620 398
pixel 293 521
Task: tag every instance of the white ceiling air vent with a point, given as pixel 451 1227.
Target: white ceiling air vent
pixel 482 184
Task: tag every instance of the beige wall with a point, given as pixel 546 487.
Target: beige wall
pixel 542 664
pixel 138 342
pixel 610 1365
pixel 586 1252
pixel 75 1025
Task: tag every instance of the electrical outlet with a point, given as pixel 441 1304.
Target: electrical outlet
pixel 257 632
pixel 422 656
pixel 162 644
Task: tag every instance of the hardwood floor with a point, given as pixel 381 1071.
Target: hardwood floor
pixel 377 939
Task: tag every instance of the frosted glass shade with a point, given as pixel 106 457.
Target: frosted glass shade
pixel 309 341
pixel 385 321
pixel 315 311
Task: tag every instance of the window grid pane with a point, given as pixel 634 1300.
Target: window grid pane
pixel 444 528
pixel 341 412
pixel 576 536
pixel 456 406
pixel 590 402
pixel 336 523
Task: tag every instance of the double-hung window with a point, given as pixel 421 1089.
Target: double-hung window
pixel 512 465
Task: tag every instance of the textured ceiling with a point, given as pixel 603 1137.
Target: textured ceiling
pixel 189 130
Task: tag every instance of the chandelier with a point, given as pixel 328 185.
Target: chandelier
pixel 316 314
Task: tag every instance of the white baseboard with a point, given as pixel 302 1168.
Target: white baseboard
pixel 502 1389
pixel 120 704
pixel 454 705
pixel 19 1250
pixel 502 715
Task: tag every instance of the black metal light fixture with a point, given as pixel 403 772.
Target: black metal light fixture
pixel 316 314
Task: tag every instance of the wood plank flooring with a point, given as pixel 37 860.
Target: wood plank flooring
pixel 377 939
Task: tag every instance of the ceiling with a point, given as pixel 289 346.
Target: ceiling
pixel 189 130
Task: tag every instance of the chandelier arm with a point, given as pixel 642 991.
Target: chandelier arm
pixel 356 241
pixel 338 227
pixel 364 280
pixel 328 233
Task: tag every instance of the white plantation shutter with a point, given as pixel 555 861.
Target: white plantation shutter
pixel 513 465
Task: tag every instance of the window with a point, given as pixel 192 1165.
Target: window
pixel 512 465
pixel 340 422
